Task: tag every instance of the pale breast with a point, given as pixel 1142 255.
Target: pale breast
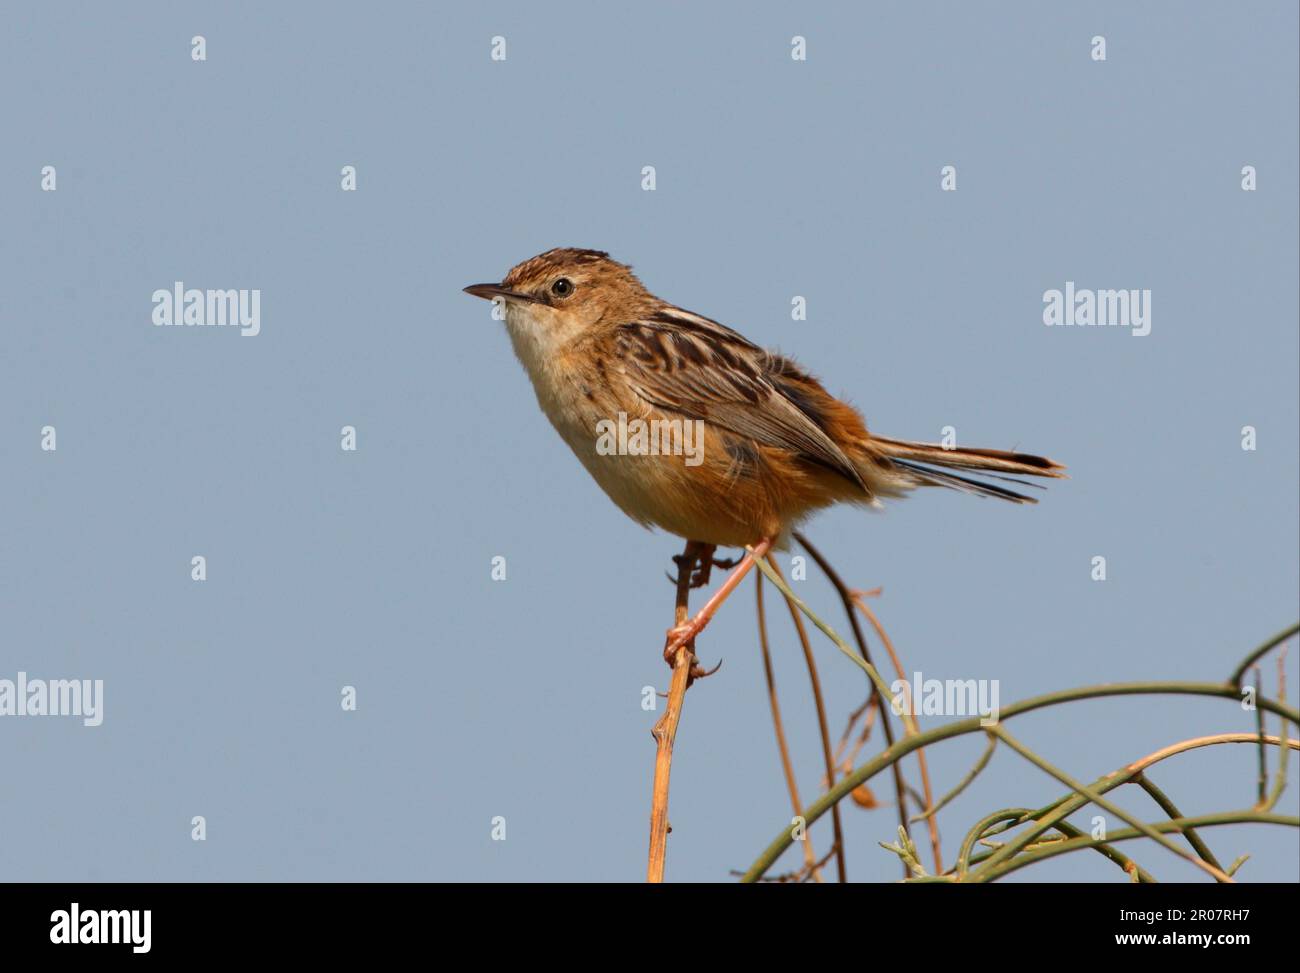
pixel 698 500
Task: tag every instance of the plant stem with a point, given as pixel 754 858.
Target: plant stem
pixel 903 747
pixel 787 766
pixel 682 644
pixel 1101 802
pixel 1235 679
pixel 846 597
pixel 665 731
pixel 1179 824
pixel 1047 817
pixel 820 705
pixel 1171 809
pixel 964 783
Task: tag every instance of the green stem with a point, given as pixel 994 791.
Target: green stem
pixel 977 832
pixel 876 679
pixel 900 786
pixel 1262 748
pixel 1065 827
pixel 1118 857
pixel 1284 758
pixel 1168 806
pixel 902 748
pixel 965 782
pixel 1235 679
pixel 1279 785
pixel 1179 824
pixel 1096 798
pixel 1047 817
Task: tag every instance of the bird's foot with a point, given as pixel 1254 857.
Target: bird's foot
pixel 681 638
pixel 701 564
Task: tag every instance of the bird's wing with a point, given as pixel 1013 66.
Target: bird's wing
pixel 694 366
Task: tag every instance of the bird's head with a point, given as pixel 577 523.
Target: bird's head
pixel 567 291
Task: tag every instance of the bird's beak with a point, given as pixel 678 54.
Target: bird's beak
pixel 492 291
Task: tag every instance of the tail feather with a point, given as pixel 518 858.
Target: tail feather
pixel 910 457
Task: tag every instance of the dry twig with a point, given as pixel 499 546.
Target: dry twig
pixel 682 649
pixel 787 767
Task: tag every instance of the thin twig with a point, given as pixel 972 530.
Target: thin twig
pixel 683 649
pixel 1092 795
pixel 842 589
pixel 868 708
pixel 1011 816
pixel 1131 868
pixel 845 760
pixel 665 731
pixel 843 647
pixel 787 766
pixel 1263 750
pixel 1047 817
pixel 798 877
pixel 910 724
pixel 841 867
pixel 1279 785
pixel 705 614
pixel 1051 849
pixel 1237 674
pixel 974 724
pixel 1171 809
pixel 963 784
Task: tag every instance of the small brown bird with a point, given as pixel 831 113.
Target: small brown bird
pixel 731 445
pixel 689 426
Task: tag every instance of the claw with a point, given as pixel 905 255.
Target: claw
pixel 701 576
pixel 698 672
pixel 682 635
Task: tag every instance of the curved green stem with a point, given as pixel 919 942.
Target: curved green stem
pixel 1130 867
pixel 1054 848
pixel 1235 679
pixel 1014 815
pixel 977 832
pixel 872 673
pixel 1049 816
pixel 962 785
pixel 1094 797
pixel 903 747
pixel 1171 809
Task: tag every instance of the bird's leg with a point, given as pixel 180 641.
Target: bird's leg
pixel 694 562
pixel 704 564
pixel 707 563
pixel 687 563
pixel 702 569
pixel 684 632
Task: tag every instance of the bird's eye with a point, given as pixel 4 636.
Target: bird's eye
pixel 562 287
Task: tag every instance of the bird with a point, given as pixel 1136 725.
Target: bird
pixel 769 445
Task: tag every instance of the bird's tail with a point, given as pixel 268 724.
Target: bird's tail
pixel 915 462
